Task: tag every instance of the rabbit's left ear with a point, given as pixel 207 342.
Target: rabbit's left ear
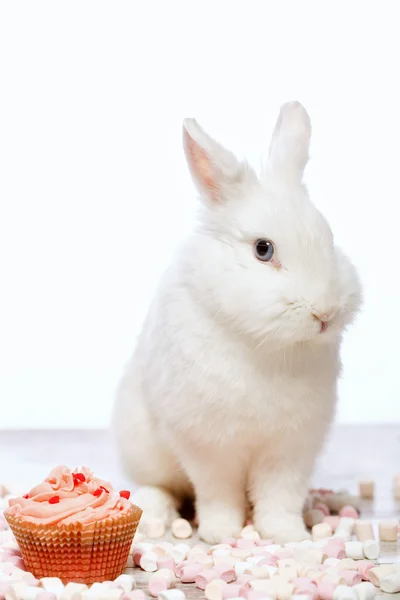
pixel 288 154
pixel 214 169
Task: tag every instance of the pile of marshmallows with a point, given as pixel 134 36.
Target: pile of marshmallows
pixel 337 564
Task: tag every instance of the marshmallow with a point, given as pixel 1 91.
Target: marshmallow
pixel 364 530
pixel 321 531
pixel 173 594
pixel 73 591
pixel 376 574
pixel 154 528
pixel 214 590
pixel 125 582
pixel 388 530
pixel 366 489
pixel 190 572
pixel 181 529
pixel 354 550
pixel 148 562
pixel 391 583
pixel 371 549
pixel 180 552
pixel 344 592
pixel 52 584
pixel 365 590
pixel 206 577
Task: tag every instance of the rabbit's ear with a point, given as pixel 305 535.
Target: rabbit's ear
pixel 215 171
pixel 288 154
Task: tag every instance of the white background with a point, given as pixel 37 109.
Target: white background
pixel 95 194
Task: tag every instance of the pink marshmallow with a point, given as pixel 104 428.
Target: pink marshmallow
pixel 337 542
pixel 351 577
pixel 231 591
pixel 205 577
pixel 333 521
pixel 245 544
pixel 349 511
pixel 334 551
pixel 363 566
pixel 179 567
pixel 157 585
pixel 308 588
pixel 190 572
pixel 166 562
pixel 325 590
pixel 225 573
pixel 137 555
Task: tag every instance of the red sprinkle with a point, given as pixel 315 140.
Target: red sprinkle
pixel 26 496
pixel 97 492
pixel 54 500
pixel 125 494
pixel 78 478
pixel 103 488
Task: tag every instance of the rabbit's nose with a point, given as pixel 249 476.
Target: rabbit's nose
pixel 324 317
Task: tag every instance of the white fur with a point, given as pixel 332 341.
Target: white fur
pixel 232 386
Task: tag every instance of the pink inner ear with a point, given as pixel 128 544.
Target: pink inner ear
pixel 202 167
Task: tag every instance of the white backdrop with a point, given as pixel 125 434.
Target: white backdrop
pixel 95 194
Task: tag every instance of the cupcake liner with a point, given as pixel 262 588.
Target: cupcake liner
pixel 84 553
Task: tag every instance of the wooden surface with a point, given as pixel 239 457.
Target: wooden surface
pixel 352 453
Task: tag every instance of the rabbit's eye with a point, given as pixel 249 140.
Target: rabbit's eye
pixel 264 250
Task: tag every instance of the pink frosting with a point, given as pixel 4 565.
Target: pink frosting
pixel 76 500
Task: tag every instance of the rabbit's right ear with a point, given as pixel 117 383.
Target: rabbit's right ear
pixel 288 154
pixel 215 170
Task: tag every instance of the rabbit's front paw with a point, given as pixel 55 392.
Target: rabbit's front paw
pixel 282 529
pixel 218 527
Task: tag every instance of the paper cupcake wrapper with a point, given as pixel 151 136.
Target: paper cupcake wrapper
pixel 84 553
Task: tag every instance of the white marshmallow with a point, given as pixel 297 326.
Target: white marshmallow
pixel 344 592
pixel 154 528
pixel 172 594
pixel 371 549
pixel 376 574
pixel 354 550
pixel 321 531
pixel 364 530
pixel 180 552
pixel 181 529
pixel 126 582
pixel 148 562
pixel 391 583
pixel 365 590
pixel 52 584
pixel 73 591
pixel 214 589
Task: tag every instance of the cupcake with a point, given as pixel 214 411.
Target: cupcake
pixel 74 526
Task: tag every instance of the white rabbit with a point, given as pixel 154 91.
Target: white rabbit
pixel 233 383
